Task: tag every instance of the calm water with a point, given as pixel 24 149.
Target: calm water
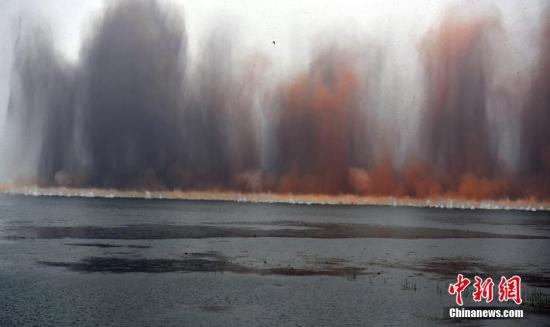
pixel 117 262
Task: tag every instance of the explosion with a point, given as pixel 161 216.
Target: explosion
pixel 135 113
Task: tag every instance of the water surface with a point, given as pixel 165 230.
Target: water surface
pixel 132 262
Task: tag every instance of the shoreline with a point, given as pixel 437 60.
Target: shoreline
pixel 307 199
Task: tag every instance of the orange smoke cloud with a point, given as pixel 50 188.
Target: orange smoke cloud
pixel 313 128
pixel 455 127
pixel 479 188
pixel 420 181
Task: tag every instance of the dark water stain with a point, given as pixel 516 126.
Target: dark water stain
pixel 125 265
pixel 119 253
pixel 196 262
pixel 349 272
pixel 14 237
pixel 215 308
pixel 447 267
pixel 306 230
pixel 107 245
pixel 135 246
pixel 95 245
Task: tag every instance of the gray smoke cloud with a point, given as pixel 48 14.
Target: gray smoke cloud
pixel 535 136
pixel 134 112
pixel 129 114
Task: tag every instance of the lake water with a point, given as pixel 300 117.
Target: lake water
pixel 131 262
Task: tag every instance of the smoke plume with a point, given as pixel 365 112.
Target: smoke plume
pixel 535 138
pixel 135 112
